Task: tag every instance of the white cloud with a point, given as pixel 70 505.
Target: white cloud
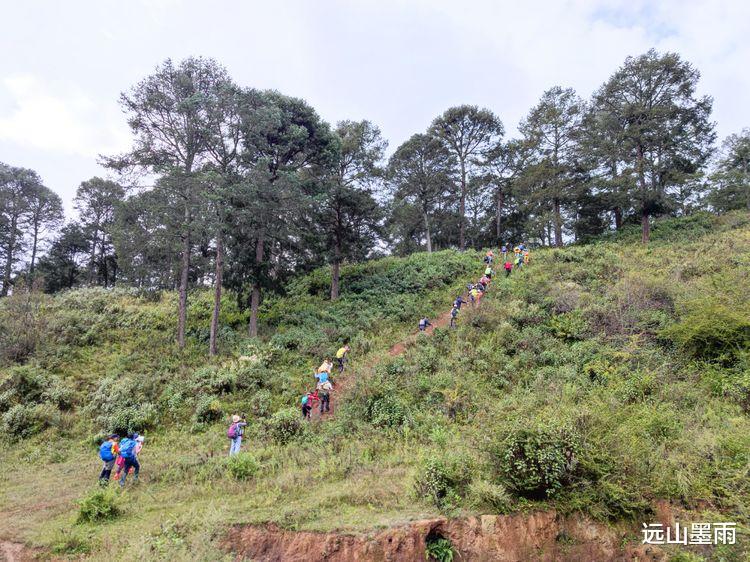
pixel 57 117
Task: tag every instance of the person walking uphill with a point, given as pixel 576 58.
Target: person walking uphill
pixel 235 432
pixel 127 452
pixel 508 268
pixel 341 356
pixel 325 396
pixel 423 323
pixel 108 454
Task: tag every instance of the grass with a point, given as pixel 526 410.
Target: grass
pixel 585 343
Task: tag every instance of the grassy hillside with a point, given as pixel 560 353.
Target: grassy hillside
pixel 602 378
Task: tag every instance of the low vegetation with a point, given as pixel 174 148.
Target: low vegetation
pixel 603 378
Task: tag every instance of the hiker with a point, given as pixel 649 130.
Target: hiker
pixel 454 314
pixel 121 461
pixel 127 452
pixel 325 396
pixel 235 432
pixel 526 257
pixel 475 296
pixel 306 406
pixel 459 300
pixel 519 260
pixel 485 281
pixel 488 272
pixel 321 378
pixel 108 454
pixel 504 251
pixel 508 268
pixel 326 366
pixel 489 257
pixel 423 323
pixel 341 356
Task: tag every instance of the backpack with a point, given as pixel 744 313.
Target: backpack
pixel 304 399
pixel 127 449
pixel 232 431
pixel 105 452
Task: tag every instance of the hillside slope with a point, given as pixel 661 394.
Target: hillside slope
pixel 601 379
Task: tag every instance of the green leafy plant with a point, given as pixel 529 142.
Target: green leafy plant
pixel 243 466
pixel 99 505
pixel 284 425
pixel 537 462
pixel 439 548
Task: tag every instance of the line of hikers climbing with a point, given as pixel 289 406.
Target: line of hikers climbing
pixel 520 257
pixel 123 453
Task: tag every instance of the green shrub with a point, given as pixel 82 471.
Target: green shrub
pixel 214 380
pixel 261 403
pixel 443 480
pixel 487 496
pixel 243 466
pixel 438 548
pixel 285 425
pixel 711 330
pixel 99 505
pixel 21 421
pixel 386 410
pixel 538 462
pixel 570 326
pixel 207 410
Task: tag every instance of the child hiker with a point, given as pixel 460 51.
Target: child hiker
pixel 108 454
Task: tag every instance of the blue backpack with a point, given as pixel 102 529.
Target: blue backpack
pixel 105 452
pixel 127 449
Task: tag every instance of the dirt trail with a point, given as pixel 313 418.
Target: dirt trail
pixel 15 552
pixel 343 381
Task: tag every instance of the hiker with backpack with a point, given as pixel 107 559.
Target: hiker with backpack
pixel 504 251
pixel 324 391
pixel 235 433
pixel 488 272
pixel 108 451
pixel 306 405
pixel 508 268
pixel 341 356
pixel 489 257
pixel 127 452
pixel 459 300
pixel 454 314
pixel 326 366
pixel 423 323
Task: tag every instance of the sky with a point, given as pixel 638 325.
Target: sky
pixel 398 63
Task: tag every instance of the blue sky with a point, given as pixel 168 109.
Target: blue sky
pixel 398 63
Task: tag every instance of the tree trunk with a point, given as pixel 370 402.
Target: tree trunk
pixel 462 210
pixel 184 276
pixel 217 294
pixel 9 257
pixel 645 225
pixel 618 217
pixel 255 296
pixel 92 259
pixel 428 233
pixel 33 254
pixel 336 267
pixel 558 224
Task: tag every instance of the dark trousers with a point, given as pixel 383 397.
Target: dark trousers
pixel 325 403
pixel 306 411
pixel 341 362
pixel 507 272
pixel 130 463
